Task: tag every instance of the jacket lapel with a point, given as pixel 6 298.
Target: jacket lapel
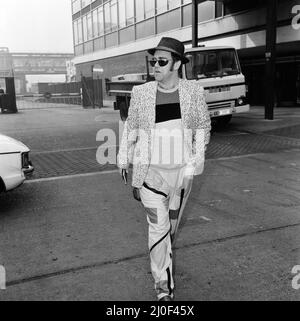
pixel 150 103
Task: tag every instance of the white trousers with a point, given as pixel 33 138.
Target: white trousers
pixel 164 196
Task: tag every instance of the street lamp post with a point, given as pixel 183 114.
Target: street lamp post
pixel 195 23
pixel 270 56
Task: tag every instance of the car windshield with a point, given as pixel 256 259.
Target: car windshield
pixel 212 63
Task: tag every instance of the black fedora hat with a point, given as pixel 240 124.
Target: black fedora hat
pixel 171 45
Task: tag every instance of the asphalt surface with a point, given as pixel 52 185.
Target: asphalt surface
pixel 73 232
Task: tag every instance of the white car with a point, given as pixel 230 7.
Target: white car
pixel 15 165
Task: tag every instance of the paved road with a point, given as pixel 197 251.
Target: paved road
pixel 82 236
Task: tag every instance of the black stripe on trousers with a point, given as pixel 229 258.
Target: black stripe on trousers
pixel 160 240
pixel 154 190
pixel 169 281
pixel 181 199
pixel 181 202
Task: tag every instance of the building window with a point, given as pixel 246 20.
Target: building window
pixel 100 21
pixel 85 3
pixel 206 11
pixel 129 12
pixel 127 35
pixel 75 29
pixel 89 26
pixel 237 6
pixel 107 18
pixel 174 4
pixel 149 8
pixel 76 6
pixel 187 15
pixel 88 47
pixel 111 40
pixel 140 10
pixel 126 13
pixel 168 21
pixel 187 1
pixel 145 28
pixel 219 9
pixel 162 6
pixel 80 35
pixel 95 24
pixel 114 15
pixel 85 29
pixel 99 44
pixel 122 13
pixel 79 50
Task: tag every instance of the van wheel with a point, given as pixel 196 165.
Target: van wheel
pixel 223 121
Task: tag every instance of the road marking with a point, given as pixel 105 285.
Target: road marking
pixel 62 150
pixel 233 157
pixel 205 218
pixel 73 150
pixel 50 179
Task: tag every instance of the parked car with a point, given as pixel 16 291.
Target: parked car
pixel 15 165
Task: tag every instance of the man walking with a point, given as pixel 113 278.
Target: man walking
pixel 165 137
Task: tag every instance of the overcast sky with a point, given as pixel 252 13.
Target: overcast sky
pixel 36 25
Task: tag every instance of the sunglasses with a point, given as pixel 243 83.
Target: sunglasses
pixel 162 62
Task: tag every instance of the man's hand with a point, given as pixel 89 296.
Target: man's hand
pixel 187 182
pixel 136 194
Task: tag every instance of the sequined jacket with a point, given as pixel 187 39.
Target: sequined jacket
pixel 137 138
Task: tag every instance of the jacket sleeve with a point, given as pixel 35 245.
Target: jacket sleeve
pixel 130 133
pixel 201 134
pixel 205 121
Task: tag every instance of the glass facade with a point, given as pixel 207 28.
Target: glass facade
pixel 95 24
pixel 129 12
pixel 162 6
pixel 122 13
pixel 99 24
pixel 89 26
pixel 76 6
pixel 139 10
pixel 85 31
pixel 174 4
pixel 149 8
pixel 100 21
pixel 75 30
